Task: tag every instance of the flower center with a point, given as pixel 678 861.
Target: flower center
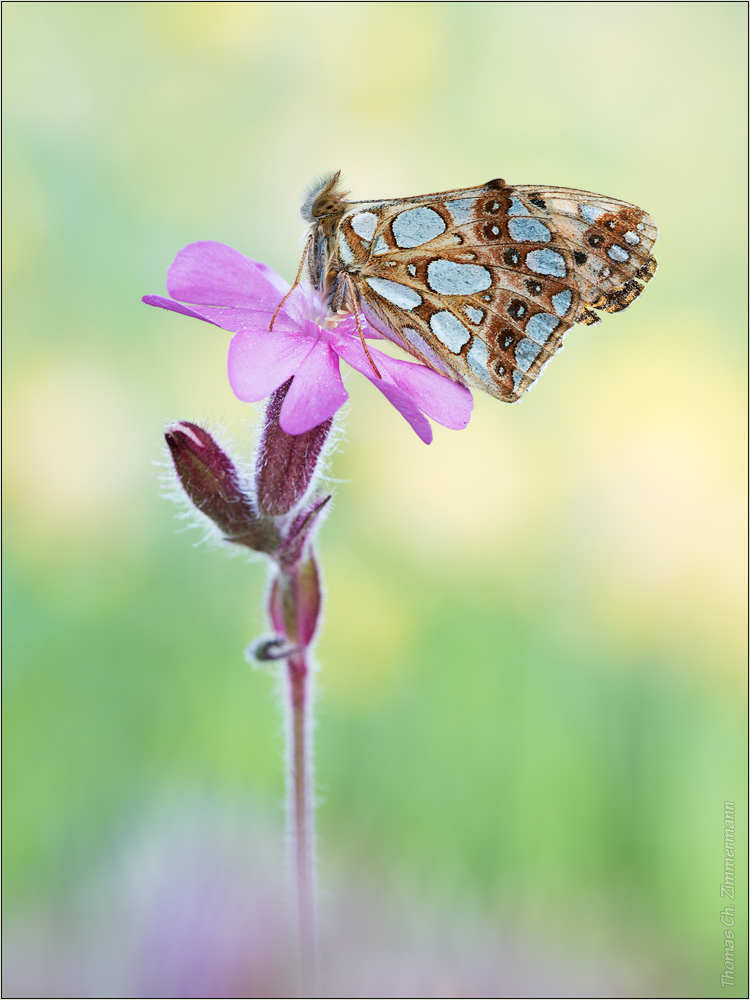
pixel 332 320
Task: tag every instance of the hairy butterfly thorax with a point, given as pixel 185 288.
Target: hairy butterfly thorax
pixel 480 284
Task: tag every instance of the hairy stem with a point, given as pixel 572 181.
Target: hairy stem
pixel 301 821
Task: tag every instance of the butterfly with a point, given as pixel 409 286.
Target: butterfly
pixel 481 284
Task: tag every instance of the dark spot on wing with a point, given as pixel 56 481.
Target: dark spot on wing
pixel 491 231
pixel 648 270
pixel 589 317
pixel 621 298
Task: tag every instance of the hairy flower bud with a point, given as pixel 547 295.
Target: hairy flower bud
pixel 294 602
pixel 286 463
pixel 212 482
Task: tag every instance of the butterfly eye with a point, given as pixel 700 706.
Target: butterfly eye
pixel 512 257
pixel 594 241
pixel 490 231
pixel 505 338
pixel 580 258
pixel 517 309
pixel 533 287
pixel 492 207
pixel 500 369
pixel 325 205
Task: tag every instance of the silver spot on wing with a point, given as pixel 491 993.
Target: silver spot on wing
pixel 363 224
pixel 617 253
pixel 591 213
pixel 399 295
pixel 526 353
pixel 517 208
pixel 448 278
pixel 417 226
pixel 561 301
pixel 461 209
pixel 533 230
pixel 449 331
pixel 547 262
pixel 345 251
pixel 541 325
pixel 476 358
pixel 475 315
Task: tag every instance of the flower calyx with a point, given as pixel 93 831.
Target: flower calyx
pixel 279 518
pixel 215 487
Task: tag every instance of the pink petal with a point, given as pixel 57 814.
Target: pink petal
pixel 279 283
pixel 260 362
pixel 350 348
pixel 316 393
pixel 405 406
pixel 227 318
pixel 447 402
pixel 352 352
pixel 377 323
pixel 162 303
pixel 214 274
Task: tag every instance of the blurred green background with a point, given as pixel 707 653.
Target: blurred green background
pixel 532 662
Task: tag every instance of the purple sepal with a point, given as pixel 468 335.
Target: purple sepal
pixel 285 463
pixel 297 534
pixel 213 484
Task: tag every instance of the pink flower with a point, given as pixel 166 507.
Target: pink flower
pixel 241 295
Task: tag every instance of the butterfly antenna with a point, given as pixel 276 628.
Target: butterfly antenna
pixel 352 293
pixel 296 282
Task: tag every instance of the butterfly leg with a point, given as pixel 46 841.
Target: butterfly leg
pixel 355 307
pixel 296 282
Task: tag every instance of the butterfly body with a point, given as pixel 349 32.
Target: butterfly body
pixel 481 284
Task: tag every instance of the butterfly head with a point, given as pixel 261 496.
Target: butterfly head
pixel 323 199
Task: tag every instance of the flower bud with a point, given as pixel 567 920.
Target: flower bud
pixel 286 463
pixel 212 482
pixel 295 600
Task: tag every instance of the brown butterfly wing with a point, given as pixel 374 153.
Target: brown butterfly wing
pixel 482 284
